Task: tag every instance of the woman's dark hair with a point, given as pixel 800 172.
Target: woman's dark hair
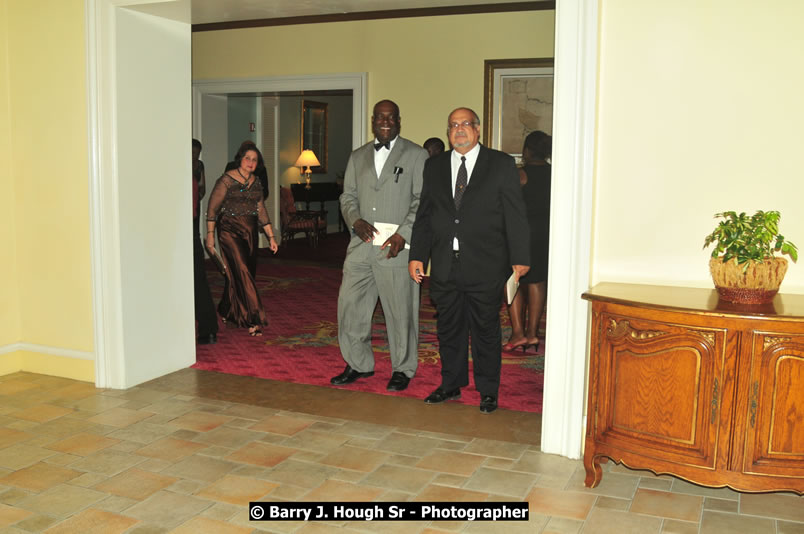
pixel 245 147
pixel 197 144
pixel 539 144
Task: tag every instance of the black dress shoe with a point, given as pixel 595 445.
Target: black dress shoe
pixel 348 376
pixel 439 395
pixel 398 381
pixel 209 339
pixel 488 404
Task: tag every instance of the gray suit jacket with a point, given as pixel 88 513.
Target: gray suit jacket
pixel 391 198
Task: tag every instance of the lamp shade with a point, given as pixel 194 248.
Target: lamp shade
pixel 307 159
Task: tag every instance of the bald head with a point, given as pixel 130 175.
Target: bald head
pixel 463 129
pixel 385 121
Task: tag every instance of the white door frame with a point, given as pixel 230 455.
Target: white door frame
pixel 573 158
pixel 574 112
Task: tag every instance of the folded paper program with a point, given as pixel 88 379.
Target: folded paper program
pixel 386 230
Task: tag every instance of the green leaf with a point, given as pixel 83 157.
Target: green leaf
pixel 748 238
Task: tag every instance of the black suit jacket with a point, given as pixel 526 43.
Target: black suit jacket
pixel 491 224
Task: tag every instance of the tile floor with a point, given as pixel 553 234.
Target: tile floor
pixel 185 453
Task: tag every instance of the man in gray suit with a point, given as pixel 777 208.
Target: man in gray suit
pixel 381 187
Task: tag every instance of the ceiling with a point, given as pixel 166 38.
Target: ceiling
pixel 212 11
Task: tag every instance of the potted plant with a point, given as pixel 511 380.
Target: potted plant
pixel 744 265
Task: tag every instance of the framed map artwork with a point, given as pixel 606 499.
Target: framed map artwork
pixel 517 100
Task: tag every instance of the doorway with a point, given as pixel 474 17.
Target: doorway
pixel 576 51
pixel 272 120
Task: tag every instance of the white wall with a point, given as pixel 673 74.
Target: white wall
pixel 212 131
pixel 700 111
pixel 289 139
pixel 155 209
pixel 242 112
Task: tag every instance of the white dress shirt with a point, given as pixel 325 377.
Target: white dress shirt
pixel 381 155
pixel 471 159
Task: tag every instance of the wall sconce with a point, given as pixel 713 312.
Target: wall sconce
pixel 306 160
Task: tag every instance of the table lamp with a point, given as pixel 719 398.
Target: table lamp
pixel 306 160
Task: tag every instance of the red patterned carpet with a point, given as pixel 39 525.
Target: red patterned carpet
pixel 300 343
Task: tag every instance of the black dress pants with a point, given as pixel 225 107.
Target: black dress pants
pixel 466 310
pixel 204 307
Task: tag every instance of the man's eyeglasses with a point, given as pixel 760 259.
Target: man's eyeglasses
pixel 456 125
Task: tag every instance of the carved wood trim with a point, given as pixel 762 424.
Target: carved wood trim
pixel 623 328
pixel 709 336
pixel 772 340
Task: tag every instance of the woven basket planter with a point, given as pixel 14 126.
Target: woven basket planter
pixel 757 284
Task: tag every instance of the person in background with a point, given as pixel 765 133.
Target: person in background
pixel 382 184
pixel 471 225
pixel 204 307
pixel 261 172
pixel 237 210
pixel 535 180
pixel 200 188
pixel 434 146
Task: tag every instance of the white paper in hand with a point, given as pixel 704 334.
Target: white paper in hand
pixel 511 286
pixel 386 230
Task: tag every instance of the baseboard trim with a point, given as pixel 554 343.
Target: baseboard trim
pixel 44 360
pixel 44 349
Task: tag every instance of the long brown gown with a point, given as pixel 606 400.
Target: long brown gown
pixel 239 213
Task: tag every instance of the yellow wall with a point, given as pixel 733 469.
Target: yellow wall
pixel 700 110
pixel 45 84
pixel 10 301
pixel 428 66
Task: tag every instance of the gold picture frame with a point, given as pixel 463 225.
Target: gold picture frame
pixel 314 131
pixel 517 99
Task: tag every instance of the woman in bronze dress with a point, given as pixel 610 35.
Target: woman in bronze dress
pixel 237 210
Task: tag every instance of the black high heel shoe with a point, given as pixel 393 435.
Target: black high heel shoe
pixel 532 342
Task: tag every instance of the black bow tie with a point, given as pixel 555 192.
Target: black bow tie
pixel 378 146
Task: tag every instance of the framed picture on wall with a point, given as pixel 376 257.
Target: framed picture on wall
pixel 314 132
pixel 517 100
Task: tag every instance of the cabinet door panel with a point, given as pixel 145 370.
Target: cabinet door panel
pixel 655 390
pixel 775 417
pixel 661 388
pixel 787 422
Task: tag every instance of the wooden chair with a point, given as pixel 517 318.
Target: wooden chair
pixel 309 222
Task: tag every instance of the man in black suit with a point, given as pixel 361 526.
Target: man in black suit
pixel 471 225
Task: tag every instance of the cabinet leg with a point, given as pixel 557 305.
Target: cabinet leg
pixel 593 471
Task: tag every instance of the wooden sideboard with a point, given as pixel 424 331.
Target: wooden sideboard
pixel 681 383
